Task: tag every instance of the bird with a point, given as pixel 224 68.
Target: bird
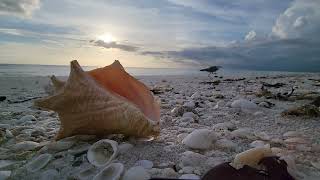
pixel 211 69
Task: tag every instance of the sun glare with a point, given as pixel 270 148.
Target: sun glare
pixel 107 38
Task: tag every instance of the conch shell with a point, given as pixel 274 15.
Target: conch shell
pixel 103 101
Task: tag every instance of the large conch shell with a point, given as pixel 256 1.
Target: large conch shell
pixel 103 101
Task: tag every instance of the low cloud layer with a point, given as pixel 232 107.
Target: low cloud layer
pixel 116 45
pixel 282 55
pixel 18 7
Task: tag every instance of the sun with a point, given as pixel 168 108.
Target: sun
pixel 106 37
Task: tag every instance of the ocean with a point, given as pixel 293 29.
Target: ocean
pixel 16 70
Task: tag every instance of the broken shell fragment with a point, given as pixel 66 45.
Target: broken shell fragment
pixel 251 157
pixel 39 162
pixel 102 152
pixel 103 101
pixel 111 172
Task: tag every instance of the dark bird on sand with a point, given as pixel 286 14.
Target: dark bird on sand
pixel 211 69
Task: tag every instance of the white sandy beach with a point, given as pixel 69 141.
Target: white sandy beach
pixel 186 105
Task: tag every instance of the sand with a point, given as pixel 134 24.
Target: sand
pixel 210 104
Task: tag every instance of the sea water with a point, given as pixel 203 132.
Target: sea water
pixel 16 70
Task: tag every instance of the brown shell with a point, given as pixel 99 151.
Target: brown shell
pixel 103 101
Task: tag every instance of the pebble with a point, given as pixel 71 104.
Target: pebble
pixel 5 175
pixel 39 162
pixel 189 176
pixel 144 163
pixel 193 159
pixel 257 143
pixel 226 144
pixel 136 173
pixel 124 147
pixel 244 105
pixel 243 133
pixel 50 174
pixel 200 139
pixel 27 118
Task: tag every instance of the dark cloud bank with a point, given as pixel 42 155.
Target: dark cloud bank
pixel 279 55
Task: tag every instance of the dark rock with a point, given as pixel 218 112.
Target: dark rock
pixel 2 98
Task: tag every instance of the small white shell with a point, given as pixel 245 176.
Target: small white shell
pixel 102 152
pixel 111 172
pixel 244 105
pixel 189 176
pixel 136 173
pixel 200 139
pixel 39 162
pixel 25 146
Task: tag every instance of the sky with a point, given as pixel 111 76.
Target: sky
pixel 251 34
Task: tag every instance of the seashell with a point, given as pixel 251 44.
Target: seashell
pixel 295 141
pixel 102 152
pixel 257 143
pixel 244 105
pixel 290 134
pixel 200 139
pixel 25 146
pixel 39 162
pixel 136 173
pixel 251 157
pixel 243 133
pixel 103 101
pixel 111 172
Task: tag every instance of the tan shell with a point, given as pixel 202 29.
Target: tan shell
pixel 87 105
pixel 251 157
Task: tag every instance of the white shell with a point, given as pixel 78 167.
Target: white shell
pixel 25 146
pixel 189 176
pixel 111 172
pixel 200 139
pixel 257 143
pixel 243 133
pixel 136 173
pixel 102 152
pixel 291 134
pixel 295 141
pixel 39 162
pixel 244 105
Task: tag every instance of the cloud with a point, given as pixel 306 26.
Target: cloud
pixel 251 36
pixel 300 20
pixel 282 55
pixel 22 8
pixel 109 45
